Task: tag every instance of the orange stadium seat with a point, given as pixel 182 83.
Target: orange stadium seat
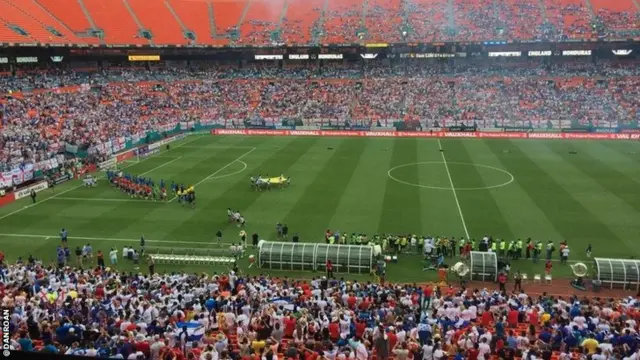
pixel 570 16
pixel 522 18
pixel 619 16
pixel 297 26
pixel 337 21
pixel 227 14
pixel 428 18
pixel 33 19
pixel 156 17
pixel 475 21
pixel 194 14
pixel 70 13
pixel 383 21
pixel 9 36
pixel 342 21
pixel 115 20
pixel 260 21
pixel 39 19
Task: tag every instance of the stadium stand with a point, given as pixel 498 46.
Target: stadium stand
pixel 156 17
pixel 227 15
pixel 566 95
pixel 100 313
pixel 223 22
pixel 301 21
pixel 195 16
pixel 343 22
pixel 70 13
pixel 116 21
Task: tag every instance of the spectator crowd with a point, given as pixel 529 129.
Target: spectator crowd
pixel 106 105
pixel 103 313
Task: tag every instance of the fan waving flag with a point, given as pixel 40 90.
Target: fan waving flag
pixel 195 330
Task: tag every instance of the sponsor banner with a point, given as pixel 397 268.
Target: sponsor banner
pixel 462 134
pixel 505 53
pixel 144 57
pixel 330 56
pixel 576 53
pixel 625 136
pixel 630 131
pixel 493 129
pixel 164 142
pixel 125 156
pixel 145 152
pixel 503 135
pixel 269 57
pixel 59 179
pixel 26 191
pixel 539 53
pixel 423 134
pixel 377 45
pixel 26 59
pixel 587 136
pixel 107 164
pixel 417 134
pixel 622 52
pixel 605 130
pixel 546 135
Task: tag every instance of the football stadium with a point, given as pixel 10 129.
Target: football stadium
pixel 320 179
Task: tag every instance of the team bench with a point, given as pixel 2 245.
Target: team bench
pixel 195 256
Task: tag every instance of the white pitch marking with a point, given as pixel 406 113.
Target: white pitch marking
pixel 220 170
pixel 244 167
pixel 35 236
pixel 104 199
pixel 453 189
pixel 218 147
pixel 390 174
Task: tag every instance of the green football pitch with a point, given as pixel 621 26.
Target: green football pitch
pixel 585 192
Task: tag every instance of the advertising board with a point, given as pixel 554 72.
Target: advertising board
pixel 26 191
pixel 439 134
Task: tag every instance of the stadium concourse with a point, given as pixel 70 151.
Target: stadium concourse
pixel 36 124
pixel 303 22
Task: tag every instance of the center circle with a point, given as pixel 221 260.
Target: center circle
pixel 509 181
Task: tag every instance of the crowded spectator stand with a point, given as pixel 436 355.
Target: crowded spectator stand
pixel 99 312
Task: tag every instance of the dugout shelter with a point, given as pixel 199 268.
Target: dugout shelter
pixel 275 255
pixel 624 273
pixel 483 266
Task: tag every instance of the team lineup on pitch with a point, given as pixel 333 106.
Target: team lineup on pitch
pixel 454 188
